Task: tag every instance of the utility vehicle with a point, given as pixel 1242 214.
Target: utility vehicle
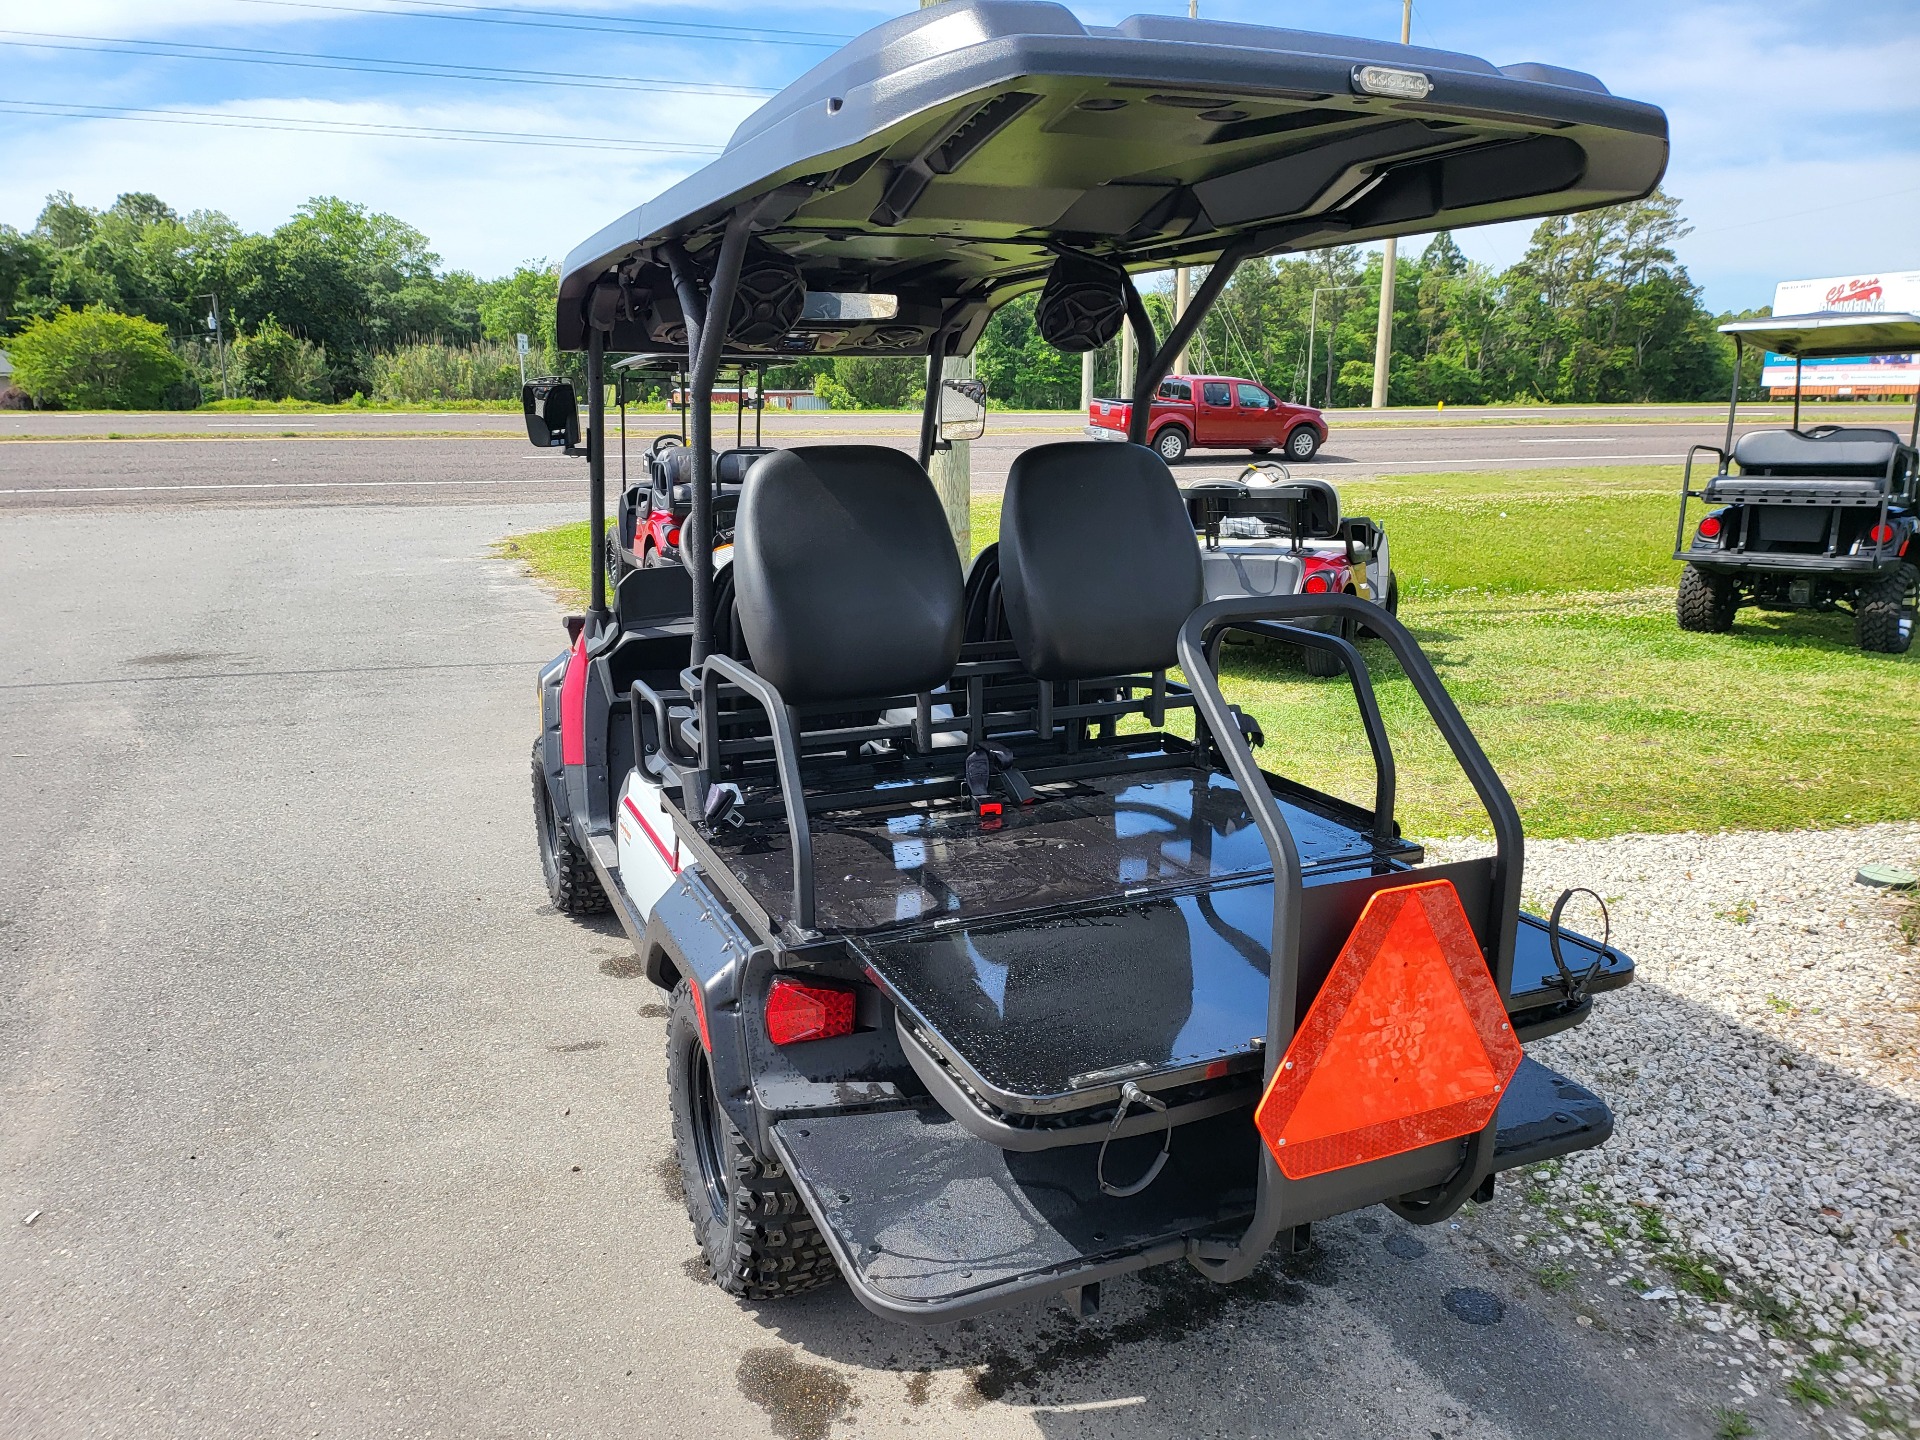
pixel 998 966
pixel 1215 412
pixel 1265 533
pixel 1815 519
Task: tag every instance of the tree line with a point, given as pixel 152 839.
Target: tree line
pixel 342 300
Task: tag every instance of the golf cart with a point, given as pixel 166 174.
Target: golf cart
pixel 997 965
pixel 653 507
pixel 1266 533
pixel 1815 519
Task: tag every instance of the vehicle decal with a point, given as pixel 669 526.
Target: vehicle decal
pixel 673 862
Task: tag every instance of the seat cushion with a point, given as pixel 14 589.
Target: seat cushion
pixel 1099 567
pixel 1850 451
pixel 846 579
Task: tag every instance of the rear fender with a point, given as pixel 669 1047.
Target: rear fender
pixel 690 936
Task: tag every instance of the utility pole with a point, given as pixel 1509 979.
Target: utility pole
pixel 1182 277
pixel 1086 378
pixel 951 465
pixel 219 345
pixel 1383 338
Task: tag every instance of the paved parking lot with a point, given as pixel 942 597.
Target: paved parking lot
pixel 320 1122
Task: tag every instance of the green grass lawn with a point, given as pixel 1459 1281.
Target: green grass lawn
pixel 1545 601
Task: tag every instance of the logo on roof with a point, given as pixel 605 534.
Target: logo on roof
pixel 1858 294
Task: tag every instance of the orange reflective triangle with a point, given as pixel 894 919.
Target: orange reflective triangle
pixel 1407 1042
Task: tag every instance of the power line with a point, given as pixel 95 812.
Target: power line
pixel 313 126
pixel 368 64
pixel 546 20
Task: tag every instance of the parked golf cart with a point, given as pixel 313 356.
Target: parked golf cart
pixel 986 981
pixel 1266 533
pixel 656 491
pixel 1815 519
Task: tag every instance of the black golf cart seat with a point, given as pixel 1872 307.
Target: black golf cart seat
pixel 1857 465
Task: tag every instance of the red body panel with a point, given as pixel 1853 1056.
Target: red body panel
pixel 1228 426
pixel 573 707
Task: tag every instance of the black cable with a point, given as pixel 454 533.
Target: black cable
pixel 546 20
pixel 219 121
pixel 366 64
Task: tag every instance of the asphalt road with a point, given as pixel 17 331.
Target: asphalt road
pixel 483 459
pixel 319 1121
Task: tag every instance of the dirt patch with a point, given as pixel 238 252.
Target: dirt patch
pixel 801 1400
pixel 578 1047
pixel 625 966
pixel 919 1386
pixel 667 1171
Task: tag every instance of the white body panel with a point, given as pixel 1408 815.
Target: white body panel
pixel 650 855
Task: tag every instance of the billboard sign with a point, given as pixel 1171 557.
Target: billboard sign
pixel 1897 290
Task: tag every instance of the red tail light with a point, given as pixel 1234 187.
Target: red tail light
pixel 1880 534
pixel 673 537
pixel 1316 585
pixel 797 1012
pixel 1709 527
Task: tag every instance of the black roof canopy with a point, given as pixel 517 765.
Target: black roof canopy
pixel 944 157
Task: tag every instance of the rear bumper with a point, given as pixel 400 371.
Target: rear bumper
pixel 1852 567
pixel 1101 432
pixel 931 1224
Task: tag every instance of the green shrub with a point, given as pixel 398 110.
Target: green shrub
pixel 275 364
pixel 433 371
pixel 95 359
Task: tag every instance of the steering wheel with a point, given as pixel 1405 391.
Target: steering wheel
pixel 669 441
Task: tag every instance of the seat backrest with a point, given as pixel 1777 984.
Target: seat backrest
pixel 729 468
pixel 1098 564
pixel 1858 451
pixel 846 580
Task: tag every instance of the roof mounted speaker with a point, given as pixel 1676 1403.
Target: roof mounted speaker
pixel 1082 304
pixel 769 300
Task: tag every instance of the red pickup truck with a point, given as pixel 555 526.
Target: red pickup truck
pixel 1220 412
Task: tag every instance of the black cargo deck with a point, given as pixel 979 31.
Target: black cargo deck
pixel 929 1223
pixel 1050 1014
pixel 1099 838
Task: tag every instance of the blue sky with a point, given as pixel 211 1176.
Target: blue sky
pixel 1796 126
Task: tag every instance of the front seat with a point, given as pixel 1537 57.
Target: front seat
pixel 847 585
pixel 1098 564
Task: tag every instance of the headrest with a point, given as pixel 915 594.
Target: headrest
pixel 846 579
pixel 730 466
pixel 1081 305
pixel 1840 451
pixel 1098 565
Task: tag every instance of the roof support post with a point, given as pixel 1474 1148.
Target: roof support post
pixel 1733 401
pixel 1147 374
pixel 930 407
pixel 1155 369
pixel 597 467
pixel 706 368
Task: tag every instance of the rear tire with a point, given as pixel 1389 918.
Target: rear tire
pixel 1322 665
pixel 1707 602
pixel 1884 612
pixel 1171 443
pixel 572 885
pixel 753 1229
pixel 1303 443
pixel 617 566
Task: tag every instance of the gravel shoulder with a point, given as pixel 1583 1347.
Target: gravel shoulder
pixel 1761 1188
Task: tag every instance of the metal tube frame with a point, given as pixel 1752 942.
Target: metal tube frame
pixel 597 469
pixel 706 367
pixel 1229 1261
pixel 1159 358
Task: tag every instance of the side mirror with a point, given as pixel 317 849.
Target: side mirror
pixel 553 417
pixel 963 409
